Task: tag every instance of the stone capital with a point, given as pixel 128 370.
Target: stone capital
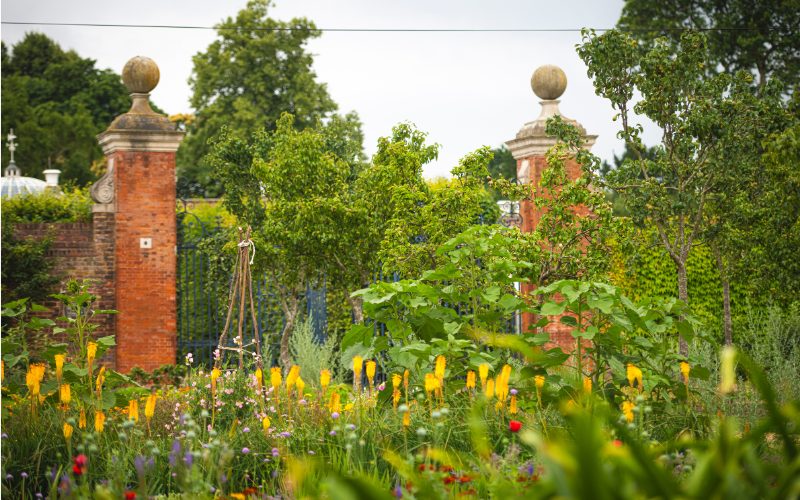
pixel 157 141
pixel 526 147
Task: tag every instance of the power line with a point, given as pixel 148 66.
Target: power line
pixel 358 30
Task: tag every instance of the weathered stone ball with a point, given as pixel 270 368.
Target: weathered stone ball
pixel 548 82
pixel 140 75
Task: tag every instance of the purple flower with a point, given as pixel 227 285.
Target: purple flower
pixel 138 463
pixel 24 475
pixel 332 433
pixel 335 415
pixel 275 452
pixel 246 429
pixel 382 386
pixel 351 427
pixel 245 451
pixel 398 491
pixel 188 459
pixel 39 495
pixel 9 477
pixel 513 392
pixel 285 434
pixel 5 436
pixel 173 455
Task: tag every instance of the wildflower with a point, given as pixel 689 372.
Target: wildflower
pixel 189 359
pixel 215 374
pixel 301 385
pixel 82 419
pixel 727 383
pixel 335 415
pixel 627 409
pixel 67 431
pixel 617 443
pixel 439 369
pixel 514 425
pixel 59 358
pixel 80 464
pixel 470 379
pixel 65 394
pixel 99 421
pixel 395 398
pixel 483 373
pixel 512 406
pixel 91 352
pixel 396 380
pixel 101 377
pixel 259 378
pixel 634 374
pixel 275 378
pixel 130 495
pixel 405 381
pixel 431 383
pixel 539 381
pixel 275 452
pixel 587 385
pixel 133 410
pixel 371 371
pixel 335 403
pixel 245 450
pixel 489 390
pixel 685 369
pixel 32 382
pixel 265 423
pixel 291 377
pixel 324 379
pixel 150 406
pixel 2 370
pixel 357 366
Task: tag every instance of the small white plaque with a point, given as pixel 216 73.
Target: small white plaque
pixel 145 242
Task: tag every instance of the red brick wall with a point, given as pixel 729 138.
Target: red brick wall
pixel 146 289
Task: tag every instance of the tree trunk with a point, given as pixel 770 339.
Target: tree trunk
pixel 290 311
pixel 357 306
pixel 683 294
pixel 727 323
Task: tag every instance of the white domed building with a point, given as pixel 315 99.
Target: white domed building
pixel 13 183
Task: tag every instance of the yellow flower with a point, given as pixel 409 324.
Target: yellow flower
pixel 405 380
pixel 539 381
pixel 301 386
pixel 335 404
pixel 489 392
pixel 348 407
pixel 275 377
pixel 60 364
pixel 470 379
pixel 395 397
pixel 2 370
pixel 727 370
pixel 685 369
pixel 357 365
pixel 431 383
pixel 101 377
pixel 396 380
pixel 150 406
pixel 32 383
pixel 512 406
pixel 627 409
pixel 91 352
pixel 587 385
pixel 133 410
pixel 324 379
pixel 501 388
pixel 506 373
pixel 38 370
pixel 439 370
pixel 238 496
pixel 292 376
pixel 406 418
pixel 67 431
pixel 215 374
pixel 259 378
pixel 99 421
pixel 265 423
pixel 371 371
pixel 634 374
pixel 65 395
pixel 82 419
pixel 483 373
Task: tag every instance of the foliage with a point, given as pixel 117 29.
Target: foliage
pixel 69 205
pixel 312 353
pixel 27 270
pixel 257 69
pixel 57 102
pixel 502 166
pixel 757 37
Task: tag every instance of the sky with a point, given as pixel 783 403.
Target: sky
pixel 465 90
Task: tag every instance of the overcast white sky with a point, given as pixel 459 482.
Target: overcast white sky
pixel 465 89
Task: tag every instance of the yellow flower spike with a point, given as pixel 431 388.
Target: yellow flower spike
pixel 101 377
pixel 265 423
pixel 512 406
pixel 133 410
pixel 32 383
pixel 483 373
pixel 627 409
pixel 431 383
pixel 405 380
pixel 396 381
pixel 82 419
pixel 150 406
pixel 275 378
pixel 324 379
pixel 99 421
pixel 634 374
pixel 371 366
pixel 348 407
pixel 489 391
pixel 335 405
pixel 301 386
pixel 358 364
pixel 406 419
pixel 291 377
pixel 259 378
pixel 441 364
pixel 501 388
pixel 38 370
pixel 59 358
pixel 587 385
pixel 395 397
pixel 539 381
pixel 215 374
pixel 91 352
pixel 685 370
pixel 470 379
pixel 68 431
pixel 2 370
pixel 65 394
pixel 506 373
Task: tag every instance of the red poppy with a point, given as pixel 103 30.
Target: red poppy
pixel 449 480
pixel 617 443
pixel 464 479
pixel 130 495
pixel 514 425
pixel 79 467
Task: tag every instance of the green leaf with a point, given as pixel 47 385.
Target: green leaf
pixel 552 308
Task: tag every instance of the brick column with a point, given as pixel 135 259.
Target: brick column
pixel 139 191
pixel 529 148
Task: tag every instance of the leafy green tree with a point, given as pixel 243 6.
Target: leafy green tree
pixel 57 102
pixel 698 115
pixel 502 166
pixel 758 37
pixel 257 69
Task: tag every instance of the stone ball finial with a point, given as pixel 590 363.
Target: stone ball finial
pixel 140 75
pixel 548 82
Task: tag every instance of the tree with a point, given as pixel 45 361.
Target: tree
pixel 257 69
pixel 758 37
pixel 57 102
pixel 698 115
pixel 502 166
